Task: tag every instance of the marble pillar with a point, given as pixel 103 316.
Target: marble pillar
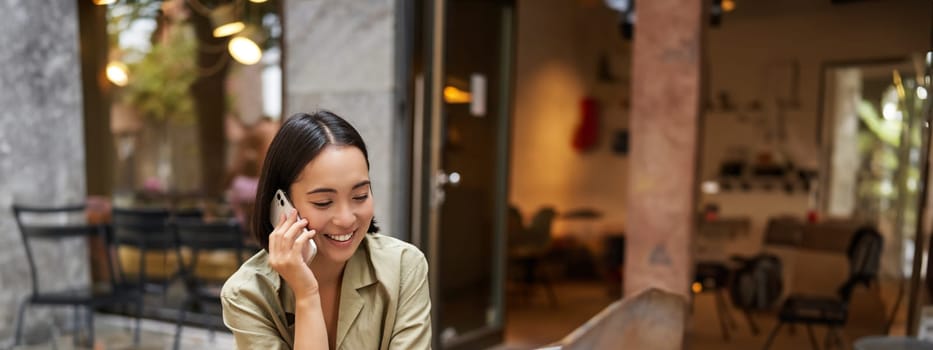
pixel 663 127
pixel 340 56
pixel 42 157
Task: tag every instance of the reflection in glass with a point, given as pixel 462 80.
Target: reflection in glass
pixel 177 96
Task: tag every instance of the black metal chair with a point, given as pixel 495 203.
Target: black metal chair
pixel 199 236
pixel 83 297
pixel 145 230
pixel 714 276
pixel 864 255
pixel 529 248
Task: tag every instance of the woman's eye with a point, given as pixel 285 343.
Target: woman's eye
pixel 361 198
pixel 321 204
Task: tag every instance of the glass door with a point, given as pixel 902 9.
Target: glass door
pixel 875 128
pixel 461 148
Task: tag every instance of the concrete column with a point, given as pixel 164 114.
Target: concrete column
pixel 663 125
pixel 340 56
pixel 42 157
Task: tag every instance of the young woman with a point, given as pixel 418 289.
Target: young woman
pixel 361 290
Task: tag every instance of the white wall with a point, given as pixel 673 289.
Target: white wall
pixel 747 52
pixel 558 44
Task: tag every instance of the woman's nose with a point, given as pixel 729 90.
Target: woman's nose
pixel 345 217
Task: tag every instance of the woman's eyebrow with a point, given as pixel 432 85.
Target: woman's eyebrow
pixel 331 190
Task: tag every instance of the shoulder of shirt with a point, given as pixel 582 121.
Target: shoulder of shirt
pixel 381 246
pixel 392 258
pixel 254 274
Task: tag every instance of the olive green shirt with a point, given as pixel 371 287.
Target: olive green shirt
pixel 384 301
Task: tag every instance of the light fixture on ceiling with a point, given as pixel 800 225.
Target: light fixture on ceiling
pixel 225 21
pixel 452 94
pixel 117 73
pixel 244 47
pixel 104 2
pixel 728 5
pixel 258 1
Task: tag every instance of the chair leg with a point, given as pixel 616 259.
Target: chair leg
pixel 724 307
pixel 721 296
pixel 838 338
pixel 751 322
pixel 813 342
pixel 19 323
pixel 771 336
pixel 723 323
pixel 546 280
pixel 828 338
pixel 77 326
pixel 179 325
pixel 211 334
pixel 139 314
pixel 90 327
pixel 211 329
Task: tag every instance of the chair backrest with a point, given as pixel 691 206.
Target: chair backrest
pixel 758 283
pixel 187 213
pixel 51 223
pixel 539 230
pixel 142 227
pixel 199 235
pixel 864 255
pixel 515 227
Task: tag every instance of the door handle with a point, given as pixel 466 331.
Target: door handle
pixel 442 179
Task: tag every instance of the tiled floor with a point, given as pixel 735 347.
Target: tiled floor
pixel 530 323
pixel 115 332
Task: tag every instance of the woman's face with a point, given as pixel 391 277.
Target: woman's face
pixel 333 194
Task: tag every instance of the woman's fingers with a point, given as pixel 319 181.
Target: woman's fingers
pixel 275 238
pixel 295 229
pixel 302 240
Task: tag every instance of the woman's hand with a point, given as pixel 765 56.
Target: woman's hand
pixel 286 246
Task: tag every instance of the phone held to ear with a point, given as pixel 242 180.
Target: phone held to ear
pixel 281 206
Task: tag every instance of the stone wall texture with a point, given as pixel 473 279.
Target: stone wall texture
pixel 41 149
pixel 340 56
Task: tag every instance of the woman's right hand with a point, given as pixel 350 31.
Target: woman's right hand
pixel 286 244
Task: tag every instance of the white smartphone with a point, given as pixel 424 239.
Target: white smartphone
pixel 282 206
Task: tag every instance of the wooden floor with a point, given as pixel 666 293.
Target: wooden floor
pixel 536 324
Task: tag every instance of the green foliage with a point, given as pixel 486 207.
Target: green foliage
pixel 160 83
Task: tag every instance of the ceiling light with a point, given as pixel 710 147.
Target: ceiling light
pixel 117 73
pixel 225 21
pixel 728 5
pixel 244 47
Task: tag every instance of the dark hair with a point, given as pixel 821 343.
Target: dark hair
pixel 300 139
